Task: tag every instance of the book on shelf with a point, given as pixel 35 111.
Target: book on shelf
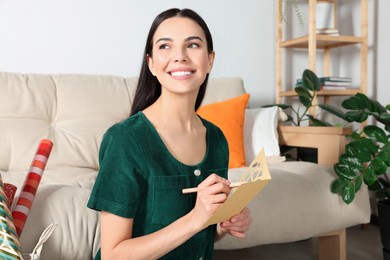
pixel 329 79
pixel 337 87
pixel 331 83
pixel 335 83
pixel 328 83
pixel 327 31
pixel 335 78
pixel 332 86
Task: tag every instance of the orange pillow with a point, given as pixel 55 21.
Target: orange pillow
pixel 229 116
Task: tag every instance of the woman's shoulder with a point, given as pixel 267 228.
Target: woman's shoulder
pixel 129 127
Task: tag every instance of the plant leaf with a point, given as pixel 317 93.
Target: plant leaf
pixel 369 176
pixel 348 193
pixel 377 107
pixel 344 172
pixel 384 118
pixel 310 80
pixel 354 163
pixel 333 110
pixel 378 166
pixel 358 183
pixel 317 122
pixel 282 106
pixel 305 101
pixel 356 116
pixel 337 185
pixel 355 135
pixel 301 91
pixel 362 149
pixel 290 118
pixel 305 97
pixel 375 133
pixel 353 103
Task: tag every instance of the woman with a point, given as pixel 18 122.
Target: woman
pixel 146 160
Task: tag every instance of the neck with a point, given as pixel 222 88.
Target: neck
pixel 173 113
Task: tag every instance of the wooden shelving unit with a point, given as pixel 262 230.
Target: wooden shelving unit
pixel 314 42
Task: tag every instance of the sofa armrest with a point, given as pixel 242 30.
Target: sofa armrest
pixel 330 141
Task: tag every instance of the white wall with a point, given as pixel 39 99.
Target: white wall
pixel 381 43
pixel 108 36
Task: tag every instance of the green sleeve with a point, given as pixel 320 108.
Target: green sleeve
pixel 119 183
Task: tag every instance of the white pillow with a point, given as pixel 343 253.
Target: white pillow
pixel 260 131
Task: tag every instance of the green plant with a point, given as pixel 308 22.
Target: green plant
pixel 306 94
pixel 367 156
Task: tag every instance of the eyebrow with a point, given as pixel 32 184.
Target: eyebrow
pixel 190 38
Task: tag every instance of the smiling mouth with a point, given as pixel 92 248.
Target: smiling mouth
pixel 181 73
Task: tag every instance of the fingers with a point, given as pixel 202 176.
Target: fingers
pixel 238 224
pixel 213 191
pixel 217 183
pixel 211 194
pixel 244 215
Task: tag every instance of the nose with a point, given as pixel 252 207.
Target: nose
pixel 180 55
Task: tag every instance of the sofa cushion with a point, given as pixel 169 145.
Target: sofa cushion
pixel 78 233
pixel 229 115
pixel 260 131
pixel 73 111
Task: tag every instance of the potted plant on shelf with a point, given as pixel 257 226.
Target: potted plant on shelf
pixel 306 93
pixel 366 158
pixel 300 113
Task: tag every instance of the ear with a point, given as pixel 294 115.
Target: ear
pixel 211 61
pixel 149 61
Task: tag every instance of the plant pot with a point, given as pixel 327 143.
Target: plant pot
pixel 329 140
pixel 384 225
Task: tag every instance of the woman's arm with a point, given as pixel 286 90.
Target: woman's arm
pixel 116 242
pixel 116 232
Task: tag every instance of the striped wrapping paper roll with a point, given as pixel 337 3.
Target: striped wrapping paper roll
pixel 31 183
pixel 9 241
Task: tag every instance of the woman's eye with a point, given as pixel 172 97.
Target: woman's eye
pixel 193 45
pixel 163 46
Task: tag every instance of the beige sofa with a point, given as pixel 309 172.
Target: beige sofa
pixel 74 111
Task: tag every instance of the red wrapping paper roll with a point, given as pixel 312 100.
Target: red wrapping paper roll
pixel 31 183
pixel 10 191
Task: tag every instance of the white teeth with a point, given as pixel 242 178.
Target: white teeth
pixel 181 73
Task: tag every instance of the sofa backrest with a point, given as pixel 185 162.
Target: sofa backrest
pixel 74 111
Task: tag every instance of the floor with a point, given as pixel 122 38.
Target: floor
pixel 361 245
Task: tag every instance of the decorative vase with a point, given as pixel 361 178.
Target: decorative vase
pixel 384 225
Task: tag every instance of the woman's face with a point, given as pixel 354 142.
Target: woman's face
pixel 180 59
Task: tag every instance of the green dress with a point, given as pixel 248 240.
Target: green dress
pixel 140 179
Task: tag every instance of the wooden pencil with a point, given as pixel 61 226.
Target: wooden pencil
pixel 232 185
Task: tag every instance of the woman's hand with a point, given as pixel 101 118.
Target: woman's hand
pixel 237 225
pixel 212 193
